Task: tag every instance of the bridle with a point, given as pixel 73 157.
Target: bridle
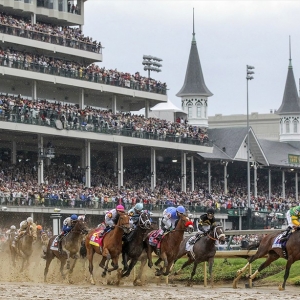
pixel 216 236
pixel 144 224
pixel 81 230
pixel 123 226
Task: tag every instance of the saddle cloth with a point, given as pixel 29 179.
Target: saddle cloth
pixel 277 243
pixel 155 237
pixel 54 245
pixel 96 239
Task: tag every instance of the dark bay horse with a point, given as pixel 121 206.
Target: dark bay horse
pixel 71 244
pixel 112 246
pixel 169 247
pixel 265 248
pixel 204 250
pixel 24 246
pixel 134 245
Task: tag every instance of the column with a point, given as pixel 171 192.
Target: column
pixel 255 179
pixel 81 98
pixel 120 166
pixel 82 161
pixel 114 104
pixel 115 163
pixel 40 159
pixel 14 153
pixel 225 178
pixel 192 174
pixel 240 222
pixel 153 169
pixel 270 182
pixel 183 171
pixel 209 176
pixel 33 18
pixel 34 92
pixel 87 163
pixel 296 186
pixel 147 108
pixel 283 184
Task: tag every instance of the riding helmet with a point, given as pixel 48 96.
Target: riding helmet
pixel 139 206
pixel 74 217
pixel 180 209
pixel 120 208
pixel 211 211
pixel 29 220
pixel 13 227
pixel 39 227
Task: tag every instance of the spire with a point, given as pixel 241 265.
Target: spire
pixel 290 102
pixel 194 84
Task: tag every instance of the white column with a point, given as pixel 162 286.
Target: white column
pixel 81 99
pixel 114 104
pixel 192 174
pixel 240 222
pixel 147 108
pixel 153 169
pixel 33 18
pixel 120 166
pixel 225 178
pixel 183 171
pixel 82 162
pixel 14 153
pixel 270 182
pixel 34 92
pixel 40 160
pixel 255 179
pixel 87 163
pixel 283 184
pixel 296 186
pixel 209 176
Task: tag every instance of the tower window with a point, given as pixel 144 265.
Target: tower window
pixel 198 111
pixel 190 111
pixel 287 126
pixel 295 126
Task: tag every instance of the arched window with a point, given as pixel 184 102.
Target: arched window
pixel 198 111
pixel 287 126
pixel 190 111
pixel 281 127
pixel 295 126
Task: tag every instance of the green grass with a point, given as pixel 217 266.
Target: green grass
pixel 225 270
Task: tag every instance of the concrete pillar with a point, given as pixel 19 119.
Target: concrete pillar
pixel 82 161
pixel 225 178
pixel 209 176
pixel 283 184
pixel 153 169
pixel 115 163
pixel 296 186
pixel 40 159
pixel 255 179
pixel 192 174
pixel 81 99
pixel 14 153
pixel 147 108
pixel 34 90
pixel 270 182
pixel 87 163
pixel 120 166
pixel 33 18
pixel 183 171
pixel 114 104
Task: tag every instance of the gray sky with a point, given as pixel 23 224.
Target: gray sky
pixel 229 35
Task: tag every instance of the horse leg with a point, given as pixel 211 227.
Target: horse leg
pixel 131 266
pixel 272 257
pixel 163 269
pixel 48 261
pixel 210 268
pixel 190 281
pixel 105 268
pixel 115 264
pixel 187 263
pixel 149 256
pixel 90 256
pixel 140 273
pixel 124 261
pixel 286 274
pixel 158 261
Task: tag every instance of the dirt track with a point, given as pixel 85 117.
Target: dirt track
pixel 30 285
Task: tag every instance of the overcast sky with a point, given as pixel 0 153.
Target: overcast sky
pixel 229 35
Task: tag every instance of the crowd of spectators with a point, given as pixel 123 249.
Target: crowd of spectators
pixel 49 33
pixel 49 65
pixel 44 112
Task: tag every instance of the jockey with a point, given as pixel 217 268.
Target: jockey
pixel 11 231
pixel 68 224
pixel 206 221
pixel 23 226
pixel 171 215
pixel 135 213
pixel 112 217
pixel 292 217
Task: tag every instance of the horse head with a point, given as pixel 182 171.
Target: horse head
pixel 123 222
pixel 183 222
pixel 217 233
pixel 32 231
pixel 80 227
pixel 144 221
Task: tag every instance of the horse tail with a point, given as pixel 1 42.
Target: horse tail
pixel 83 251
pixel 253 246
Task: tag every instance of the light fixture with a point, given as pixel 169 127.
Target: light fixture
pixel 174 160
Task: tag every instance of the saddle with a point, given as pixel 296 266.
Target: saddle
pixel 155 238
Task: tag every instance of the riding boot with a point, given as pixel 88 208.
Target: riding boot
pixel 285 235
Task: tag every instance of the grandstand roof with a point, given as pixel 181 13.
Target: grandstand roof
pixel 194 81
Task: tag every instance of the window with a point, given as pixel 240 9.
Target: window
pixel 198 111
pixel 295 125
pixel 281 127
pixel 190 111
pixel 287 126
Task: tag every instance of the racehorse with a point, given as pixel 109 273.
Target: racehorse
pixel 112 246
pixel 133 246
pixel 24 246
pixel 265 247
pixel 204 250
pixel 71 244
pixel 169 246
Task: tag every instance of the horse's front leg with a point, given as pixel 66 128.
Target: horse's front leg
pixel 149 256
pixel 90 256
pixel 124 261
pixel 210 268
pixel 131 266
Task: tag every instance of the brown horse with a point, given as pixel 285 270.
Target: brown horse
pixel 204 250
pixel 169 247
pixel 71 244
pixel 112 246
pixel 24 246
pixel 265 248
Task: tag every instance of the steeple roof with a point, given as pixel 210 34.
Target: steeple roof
pixel 194 84
pixel 290 102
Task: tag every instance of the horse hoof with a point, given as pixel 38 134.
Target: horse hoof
pixel 150 265
pixel 103 275
pixel 281 288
